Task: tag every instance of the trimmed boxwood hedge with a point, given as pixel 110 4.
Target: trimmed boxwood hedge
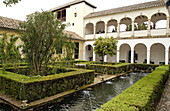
pixel 116 68
pixel 23 87
pixel 142 95
pixel 110 69
pixel 12 65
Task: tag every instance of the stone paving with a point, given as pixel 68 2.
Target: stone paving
pixel 164 104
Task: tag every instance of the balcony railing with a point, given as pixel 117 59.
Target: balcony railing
pixel 141 33
pixel 158 32
pixel 125 34
pixel 128 34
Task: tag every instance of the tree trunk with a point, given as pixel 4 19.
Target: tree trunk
pixel 103 58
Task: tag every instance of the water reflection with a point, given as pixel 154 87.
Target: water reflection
pixel 4 107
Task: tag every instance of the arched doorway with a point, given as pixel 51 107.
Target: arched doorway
pixel 157 54
pixel 89 53
pixel 141 22
pixel 159 18
pixel 124 53
pixel 100 27
pixel 126 24
pixel 89 29
pixel 112 26
pixel 141 53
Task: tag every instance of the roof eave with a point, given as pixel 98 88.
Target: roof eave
pixel 59 8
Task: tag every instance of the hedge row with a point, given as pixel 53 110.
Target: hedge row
pixel 140 96
pixel 116 68
pixel 138 66
pixel 23 87
pixel 110 69
pixel 12 65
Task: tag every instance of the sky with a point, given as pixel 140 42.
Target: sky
pixel 25 7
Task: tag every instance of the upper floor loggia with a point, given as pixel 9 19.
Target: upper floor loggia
pixel 149 19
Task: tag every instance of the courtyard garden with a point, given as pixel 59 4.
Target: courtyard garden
pixel 34 75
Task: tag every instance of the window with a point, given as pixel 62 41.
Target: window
pixel 63 13
pixel 59 15
pixel 76 55
pixel 75 14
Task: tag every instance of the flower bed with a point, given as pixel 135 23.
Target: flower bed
pixel 141 95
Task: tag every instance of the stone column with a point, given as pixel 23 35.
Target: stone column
pixel 115 28
pixel 94 55
pixel 84 53
pixel 118 55
pixel 148 56
pixel 133 28
pixel 84 32
pixel 166 56
pixel 154 25
pixel 118 30
pixel 105 30
pixel 132 55
pixel 105 58
pixel 167 28
pixel 94 32
pixel 149 27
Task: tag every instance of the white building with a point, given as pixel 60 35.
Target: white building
pixel 142 38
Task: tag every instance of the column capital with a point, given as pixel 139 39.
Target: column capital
pixel 166 50
pixel 118 50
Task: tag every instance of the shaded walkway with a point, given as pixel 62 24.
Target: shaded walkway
pixel 164 104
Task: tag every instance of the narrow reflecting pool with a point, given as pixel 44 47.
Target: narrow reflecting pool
pixel 92 98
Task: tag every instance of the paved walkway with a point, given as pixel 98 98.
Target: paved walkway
pixel 164 104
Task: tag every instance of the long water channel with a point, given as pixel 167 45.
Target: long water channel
pixel 91 98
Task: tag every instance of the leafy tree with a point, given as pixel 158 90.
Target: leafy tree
pixel 9 52
pixel 69 47
pixel 40 34
pixel 105 47
pixel 10 2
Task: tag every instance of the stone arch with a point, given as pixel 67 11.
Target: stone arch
pixel 141 22
pixel 155 18
pixel 112 25
pixel 88 52
pixel 124 52
pixel 140 54
pixel 126 24
pixel 89 28
pixel 157 53
pixel 100 27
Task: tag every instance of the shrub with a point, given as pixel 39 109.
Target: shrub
pixel 141 95
pixel 33 88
